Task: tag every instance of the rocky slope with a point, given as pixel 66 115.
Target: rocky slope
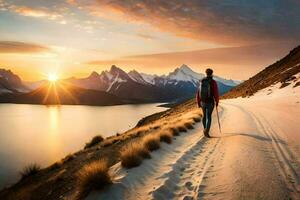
pixel 10 82
pixel 282 72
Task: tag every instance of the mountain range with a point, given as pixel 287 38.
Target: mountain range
pixel 134 86
pixel 131 87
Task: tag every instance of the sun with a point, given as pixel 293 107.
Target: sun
pixel 52 77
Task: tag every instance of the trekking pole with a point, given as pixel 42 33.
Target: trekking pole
pixel 218 119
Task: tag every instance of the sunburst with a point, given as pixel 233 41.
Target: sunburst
pixel 52 77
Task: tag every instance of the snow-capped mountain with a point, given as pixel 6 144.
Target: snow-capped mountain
pixel 149 78
pixel 11 83
pixel 131 86
pixel 184 81
pixel 179 84
pixel 228 82
pixel 137 77
pixel 185 74
pixel 106 81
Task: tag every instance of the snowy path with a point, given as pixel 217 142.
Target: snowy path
pixel 257 156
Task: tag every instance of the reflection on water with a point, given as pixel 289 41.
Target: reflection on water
pixel 54 143
pixel 45 134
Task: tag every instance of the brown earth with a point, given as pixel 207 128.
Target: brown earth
pixel 282 71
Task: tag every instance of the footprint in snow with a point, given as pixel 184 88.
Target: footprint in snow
pixel 189 186
pixel 187 198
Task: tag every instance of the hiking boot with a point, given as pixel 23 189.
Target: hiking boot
pixel 205 132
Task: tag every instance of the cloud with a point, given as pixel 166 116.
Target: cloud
pixel 231 62
pixel 146 36
pixel 36 9
pixel 38 13
pixel 21 47
pixel 224 22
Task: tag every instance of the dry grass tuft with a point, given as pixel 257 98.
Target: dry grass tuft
pixel 152 142
pixel 156 127
pixel 189 125
pixel 95 140
pixel 68 158
pixel 142 150
pixel 107 142
pixel 30 170
pixel 132 155
pixel 197 119
pixel 110 141
pixel 174 131
pixel 182 128
pixel 139 133
pixel 93 176
pixel 55 165
pixel 166 136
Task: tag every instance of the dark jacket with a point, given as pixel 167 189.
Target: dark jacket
pixel 215 93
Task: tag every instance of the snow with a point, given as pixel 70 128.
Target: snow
pixel 181 74
pixel 185 69
pixel 255 156
pixel 290 68
pixel 108 75
pixel 116 80
pixel 5 91
pixel 274 91
pixel 186 74
pixel 134 75
pixel 226 81
pixel 148 78
pixel 23 90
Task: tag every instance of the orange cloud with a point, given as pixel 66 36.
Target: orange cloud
pixel 21 47
pixel 38 13
pixel 146 36
pixel 233 62
pixel 224 22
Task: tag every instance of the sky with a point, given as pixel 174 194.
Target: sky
pixel 76 37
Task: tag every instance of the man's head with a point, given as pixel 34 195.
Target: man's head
pixel 209 72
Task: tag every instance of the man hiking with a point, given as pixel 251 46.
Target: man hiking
pixel 207 97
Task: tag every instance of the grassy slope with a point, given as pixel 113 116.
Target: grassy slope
pixel 281 71
pixel 60 179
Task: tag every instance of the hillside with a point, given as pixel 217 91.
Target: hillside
pixel 59 181
pixel 256 158
pixel 280 72
pixel 252 159
pixel 62 93
pixel 11 83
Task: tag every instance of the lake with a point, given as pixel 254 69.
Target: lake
pixel 45 134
